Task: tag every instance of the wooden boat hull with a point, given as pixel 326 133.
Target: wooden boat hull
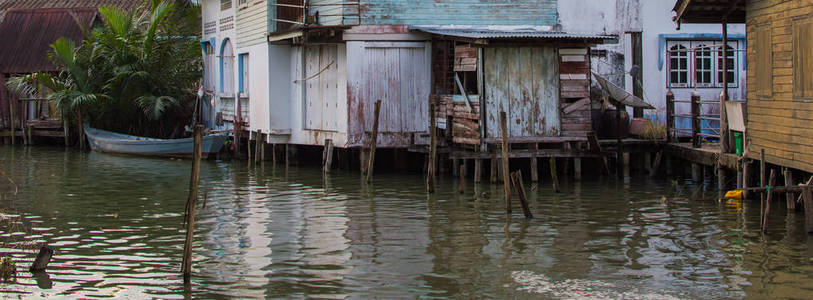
pixel 111 142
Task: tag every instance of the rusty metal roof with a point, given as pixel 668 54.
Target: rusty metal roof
pixel 28 33
pixel 12 4
pixel 508 32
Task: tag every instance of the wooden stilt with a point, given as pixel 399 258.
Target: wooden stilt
pixel 595 147
pixel 762 180
pixel 669 166
pixel 789 196
pixel 455 166
pixel 273 154
pixel 534 166
pixel 516 180
pixel 257 143
pixel 769 196
pixel 478 169
pixel 577 169
pixel 248 145
pixel 432 159
pixel 746 178
pixel 43 258
pixel 808 198
pixel 191 203
pixel 493 169
pixel 11 119
pixel 721 179
pixel 505 167
pixel 461 184
pixel 656 165
pixel 328 156
pixel 287 155
pixel 626 161
pixel 697 173
pixel 739 176
pixel 373 141
pixel 648 162
pixel 262 146
pixel 553 174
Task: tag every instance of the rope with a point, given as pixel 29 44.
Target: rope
pixel 317 74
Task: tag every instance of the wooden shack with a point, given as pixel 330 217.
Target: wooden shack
pixel 780 73
pixel 541 79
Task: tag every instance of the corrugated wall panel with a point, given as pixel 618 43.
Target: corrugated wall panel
pixel 459 12
pixel 252 23
pixel 523 82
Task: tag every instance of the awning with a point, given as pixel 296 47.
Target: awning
pixel 510 33
pixel 619 95
pixel 709 11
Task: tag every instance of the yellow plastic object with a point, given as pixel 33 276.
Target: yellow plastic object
pixel 735 194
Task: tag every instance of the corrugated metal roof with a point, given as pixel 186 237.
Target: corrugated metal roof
pixel 507 32
pixel 28 33
pixel 11 4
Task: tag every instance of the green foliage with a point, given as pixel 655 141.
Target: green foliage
pixel 8 269
pixel 136 72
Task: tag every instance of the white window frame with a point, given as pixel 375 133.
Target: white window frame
pixel 734 66
pixel 687 70
pixel 703 51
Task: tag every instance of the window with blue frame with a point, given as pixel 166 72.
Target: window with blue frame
pixel 700 63
pixel 243 78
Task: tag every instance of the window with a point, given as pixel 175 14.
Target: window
pixel 700 64
pixel 227 69
pixel 243 79
pixel 763 54
pixel 730 63
pixel 209 67
pixel 803 59
pixel 678 64
pixel 225 4
pixel 242 2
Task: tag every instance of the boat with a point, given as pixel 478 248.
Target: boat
pixel 112 142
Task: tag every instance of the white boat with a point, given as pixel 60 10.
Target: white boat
pixel 107 141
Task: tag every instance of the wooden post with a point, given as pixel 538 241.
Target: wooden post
pixel 595 147
pixel 626 160
pixel 23 128
pixel 656 165
pixel 30 135
pixel 553 174
pixel 493 169
pixel 696 172
pixel 746 178
pixel 739 176
pixel 327 158
pixel 373 141
pixel 248 145
pixel 516 180
pixel 807 194
pixel 762 178
pixel 263 140
pixel 455 166
pixel 42 260
pixel 768 202
pixel 670 116
pixel 273 154
pixel 257 142
pixel 577 169
pixel 191 202
pixel 478 170
pixel 11 119
pixel 721 178
pixel 724 146
pixel 789 196
pixel 534 166
pixel 287 155
pixel 433 144
pixel 505 166
pixel 65 129
pixel 461 185
pixel 695 120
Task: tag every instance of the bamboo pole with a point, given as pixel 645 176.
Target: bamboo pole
pixel 191 202
pixel 505 166
pixel 433 144
pixel 373 141
pixel 516 179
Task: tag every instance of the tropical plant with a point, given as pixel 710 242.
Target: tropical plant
pixel 135 72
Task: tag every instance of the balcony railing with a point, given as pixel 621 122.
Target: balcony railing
pixel 293 14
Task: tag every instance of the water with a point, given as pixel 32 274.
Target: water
pixel 116 224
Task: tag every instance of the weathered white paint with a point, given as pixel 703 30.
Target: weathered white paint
pixel 252 23
pixel 327 89
pixel 212 14
pixel 652 18
pixel 258 92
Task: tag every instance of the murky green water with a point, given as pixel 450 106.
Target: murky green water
pixel 116 225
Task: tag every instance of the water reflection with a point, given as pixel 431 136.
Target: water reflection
pixel 271 231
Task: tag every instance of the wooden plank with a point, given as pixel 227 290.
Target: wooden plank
pixel 576 105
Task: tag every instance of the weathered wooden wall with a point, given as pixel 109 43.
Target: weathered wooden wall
pixel 574 79
pixel 396 73
pixel 523 82
pixel 252 23
pixel 327 90
pixel 459 12
pixel 780 120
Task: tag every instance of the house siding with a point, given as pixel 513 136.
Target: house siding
pixel 779 122
pixel 252 23
pixel 459 12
